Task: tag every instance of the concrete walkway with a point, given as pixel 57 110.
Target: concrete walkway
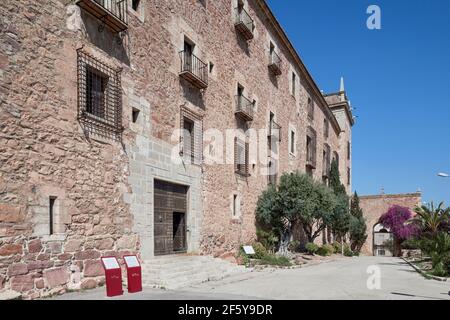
pixel 343 279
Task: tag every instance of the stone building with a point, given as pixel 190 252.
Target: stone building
pixel 118 132
pixel 374 207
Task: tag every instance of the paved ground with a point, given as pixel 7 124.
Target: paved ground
pixel 342 279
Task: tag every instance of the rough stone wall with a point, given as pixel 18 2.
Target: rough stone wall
pixel 104 188
pixel 44 153
pixel 375 206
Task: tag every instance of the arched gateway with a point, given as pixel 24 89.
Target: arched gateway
pixel 383 241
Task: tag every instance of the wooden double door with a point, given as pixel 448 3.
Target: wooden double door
pixel 170 215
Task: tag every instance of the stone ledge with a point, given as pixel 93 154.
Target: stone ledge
pixel 10 295
pixel 424 274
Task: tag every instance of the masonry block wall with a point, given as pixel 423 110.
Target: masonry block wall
pixel 99 190
pixel 375 206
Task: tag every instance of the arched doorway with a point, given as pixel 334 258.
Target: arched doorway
pixel 383 241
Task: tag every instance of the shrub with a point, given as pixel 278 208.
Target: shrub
pixel 311 248
pixel 347 251
pixel 325 250
pixel 269 239
pixel 260 250
pixel 439 270
pixel 337 247
pixel 274 260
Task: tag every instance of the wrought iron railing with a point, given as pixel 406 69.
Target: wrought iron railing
pixel 244 105
pixel 243 18
pixel 274 130
pixel 112 13
pixel 275 62
pixel 117 8
pixel 194 66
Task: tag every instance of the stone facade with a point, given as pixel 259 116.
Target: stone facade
pixel 100 190
pixel 375 206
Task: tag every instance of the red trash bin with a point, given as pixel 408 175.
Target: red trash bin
pixel 134 273
pixel 113 275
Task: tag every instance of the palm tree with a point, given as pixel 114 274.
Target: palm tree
pixel 431 219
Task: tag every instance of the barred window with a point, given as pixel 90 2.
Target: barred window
pixel 191 136
pixel 99 97
pixel 241 157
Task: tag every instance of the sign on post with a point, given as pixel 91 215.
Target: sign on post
pixel 113 275
pixel 134 273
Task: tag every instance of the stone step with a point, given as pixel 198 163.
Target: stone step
pixel 178 271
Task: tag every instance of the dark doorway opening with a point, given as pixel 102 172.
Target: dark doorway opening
pixel 179 232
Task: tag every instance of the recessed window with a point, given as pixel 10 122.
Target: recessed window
pixel 211 67
pixel 188 139
pixel 135 4
pixel 294 79
pixel 235 205
pixel 51 212
pixel 310 108
pixel 326 128
pixel 292 146
pixel 135 115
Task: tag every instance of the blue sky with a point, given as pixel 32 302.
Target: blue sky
pixel 396 77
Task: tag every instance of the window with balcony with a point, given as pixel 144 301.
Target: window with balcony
pixel 311 146
pixel 112 13
pixel 244 106
pixel 241 157
pixel 243 22
pixel 349 151
pixel 193 69
pixel 275 61
pixel 326 128
pixel 99 96
pixel 326 165
pixel 310 108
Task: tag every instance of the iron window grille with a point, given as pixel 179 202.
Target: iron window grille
pixel 112 13
pixel 193 69
pixel 241 157
pixel 191 137
pixel 244 107
pixel 244 23
pixel 99 97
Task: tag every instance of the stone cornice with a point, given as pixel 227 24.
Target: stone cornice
pixel 390 196
pixel 311 83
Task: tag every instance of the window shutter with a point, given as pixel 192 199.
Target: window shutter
pixel 247 169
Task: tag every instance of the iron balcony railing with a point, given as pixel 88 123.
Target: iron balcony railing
pixel 275 63
pixel 274 130
pixel 112 13
pixel 244 23
pixel 193 69
pixel 244 108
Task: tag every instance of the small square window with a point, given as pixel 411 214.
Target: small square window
pixel 135 115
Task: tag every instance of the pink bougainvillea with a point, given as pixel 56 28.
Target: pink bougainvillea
pixel 395 219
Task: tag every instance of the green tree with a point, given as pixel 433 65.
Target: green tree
pixel 431 220
pixel 298 199
pixel 340 220
pixel 357 227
